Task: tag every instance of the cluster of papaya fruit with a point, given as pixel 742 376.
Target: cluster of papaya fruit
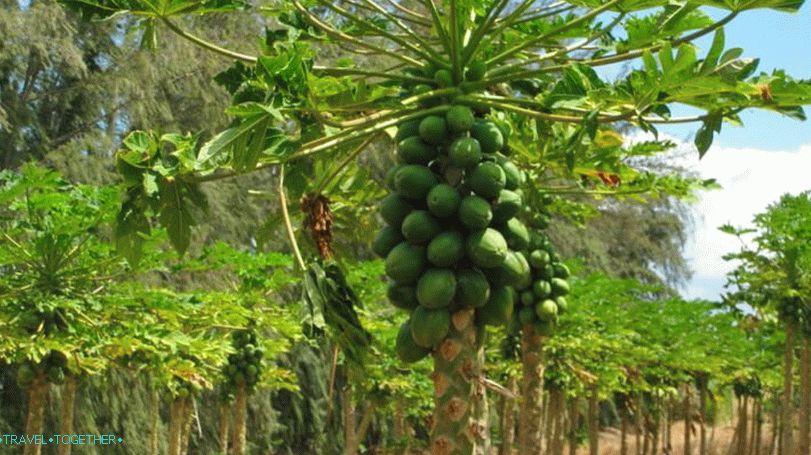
pixel 452 240
pixel 244 365
pixel 545 299
pixel 54 365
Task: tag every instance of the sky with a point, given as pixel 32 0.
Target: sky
pixel 769 156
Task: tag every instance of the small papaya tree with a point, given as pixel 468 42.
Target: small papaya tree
pixel 461 81
pixel 56 269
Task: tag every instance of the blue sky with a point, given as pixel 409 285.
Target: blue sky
pixel 769 156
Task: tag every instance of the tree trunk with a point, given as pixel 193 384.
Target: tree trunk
pixel 223 427
pixel 482 412
pixel 557 414
pixel 805 397
pixel 529 423
pixel 774 444
pixel 624 430
pixel 401 430
pixel 754 437
pixel 66 413
pixel 688 423
pixel 188 417
pixel 240 419
pixel 639 425
pixel 667 427
pixel 37 396
pixel 508 421
pixel 702 410
pixel 177 414
pixel 154 421
pixel 740 439
pixel 574 424
pixel 547 423
pixel 457 376
pixel 657 424
pixel 594 422
pixel 349 421
pixel 787 419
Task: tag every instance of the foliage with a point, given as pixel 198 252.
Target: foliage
pixel 773 274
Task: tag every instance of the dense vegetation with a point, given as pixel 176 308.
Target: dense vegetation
pixel 189 232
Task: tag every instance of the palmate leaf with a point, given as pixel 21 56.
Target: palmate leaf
pixel 156 8
pixel 176 201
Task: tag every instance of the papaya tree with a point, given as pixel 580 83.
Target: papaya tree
pixel 254 281
pixel 56 268
pixel 772 275
pixel 465 84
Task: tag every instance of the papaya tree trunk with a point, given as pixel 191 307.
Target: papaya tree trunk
pixel 154 421
pixel 66 413
pixel 188 417
pixel 594 422
pixel 702 412
pixel 547 422
pixel 363 426
pixel 349 421
pixel 805 397
pixel 754 436
pixel 529 422
pixel 240 418
pixel 482 412
pixel 657 424
pixel 557 412
pixel 223 427
pixel 667 427
pixel 355 431
pixel 457 375
pixel 401 429
pixel 744 426
pixel 787 419
pixel 574 424
pixel 176 421
pixel 508 421
pixel 37 397
pixel 688 424
pixel 774 443
pixel 624 431
pixel 640 433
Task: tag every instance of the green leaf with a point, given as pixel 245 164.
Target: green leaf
pixel 131 230
pixel 717 47
pixel 228 139
pixel 174 211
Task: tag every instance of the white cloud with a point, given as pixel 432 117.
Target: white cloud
pixel 751 180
